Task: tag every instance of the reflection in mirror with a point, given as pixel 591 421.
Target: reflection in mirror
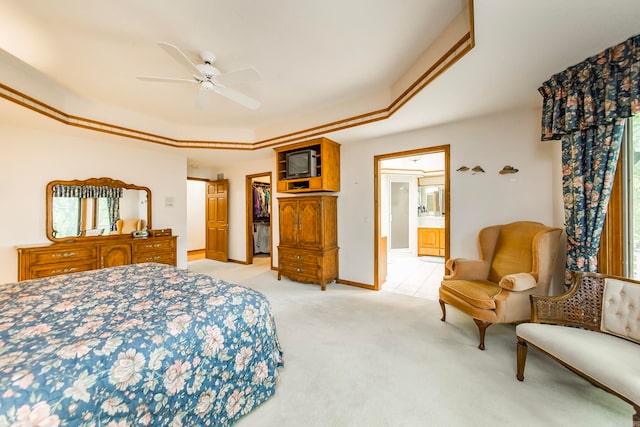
pixel 431 200
pixel 95 207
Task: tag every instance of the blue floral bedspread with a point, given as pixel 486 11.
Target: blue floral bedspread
pixel 143 344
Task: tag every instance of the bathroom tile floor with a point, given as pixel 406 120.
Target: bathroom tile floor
pixel 414 276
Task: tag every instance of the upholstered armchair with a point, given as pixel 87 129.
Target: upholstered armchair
pixel 129 225
pixel 516 260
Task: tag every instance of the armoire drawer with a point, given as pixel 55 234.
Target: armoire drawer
pixel 297 256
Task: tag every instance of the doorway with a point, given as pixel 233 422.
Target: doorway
pixel 259 227
pixel 405 179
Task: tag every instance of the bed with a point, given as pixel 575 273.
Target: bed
pixel 143 344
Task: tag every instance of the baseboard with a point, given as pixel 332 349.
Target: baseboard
pixel 196 252
pixel 356 284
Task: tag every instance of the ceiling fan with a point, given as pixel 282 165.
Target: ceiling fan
pixel 209 78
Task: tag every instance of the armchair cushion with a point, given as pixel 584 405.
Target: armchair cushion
pixel 477 293
pixel 518 282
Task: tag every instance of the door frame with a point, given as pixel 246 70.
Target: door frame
pixel 249 216
pixel 379 252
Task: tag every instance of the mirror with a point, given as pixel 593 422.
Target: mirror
pixel 431 200
pixel 91 208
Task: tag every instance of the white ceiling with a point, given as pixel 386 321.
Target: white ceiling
pixel 312 55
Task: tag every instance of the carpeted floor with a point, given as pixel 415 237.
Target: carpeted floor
pixel 355 358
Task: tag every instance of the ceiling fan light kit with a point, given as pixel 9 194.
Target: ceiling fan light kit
pixel 206 76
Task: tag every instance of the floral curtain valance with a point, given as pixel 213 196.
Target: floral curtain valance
pixel 86 191
pixel 595 92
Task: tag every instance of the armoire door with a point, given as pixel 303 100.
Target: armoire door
pixel 217 242
pixel 288 211
pixel 310 223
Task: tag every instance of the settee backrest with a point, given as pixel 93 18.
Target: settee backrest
pixel 621 308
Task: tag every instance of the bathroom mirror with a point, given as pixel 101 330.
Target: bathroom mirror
pixel 91 208
pixel 431 200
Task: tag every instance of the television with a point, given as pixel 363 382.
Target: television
pixel 301 164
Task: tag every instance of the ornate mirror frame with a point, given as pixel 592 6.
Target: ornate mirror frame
pixel 98 182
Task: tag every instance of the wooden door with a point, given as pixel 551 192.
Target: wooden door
pixel 310 223
pixel 288 210
pixel 217 241
pixel 114 255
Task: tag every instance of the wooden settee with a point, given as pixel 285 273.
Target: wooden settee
pixel 594 330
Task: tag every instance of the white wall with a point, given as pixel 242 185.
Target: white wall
pixel 31 156
pixel 196 235
pixel 477 200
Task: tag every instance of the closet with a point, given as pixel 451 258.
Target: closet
pixel 261 217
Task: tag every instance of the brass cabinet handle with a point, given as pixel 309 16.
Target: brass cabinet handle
pixel 64 254
pixel 64 270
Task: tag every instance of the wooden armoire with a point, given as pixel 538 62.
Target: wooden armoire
pixel 308 249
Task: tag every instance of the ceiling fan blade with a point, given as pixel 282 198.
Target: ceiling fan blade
pixel 179 56
pixel 238 97
pixel 166 79
pixel 239 76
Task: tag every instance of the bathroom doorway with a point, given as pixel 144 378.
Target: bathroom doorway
pixel 411 216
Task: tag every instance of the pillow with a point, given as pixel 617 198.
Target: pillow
pixel 518 282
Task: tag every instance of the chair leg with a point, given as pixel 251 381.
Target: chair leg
pixel 521 358
pixel 482 327
pixel 444 311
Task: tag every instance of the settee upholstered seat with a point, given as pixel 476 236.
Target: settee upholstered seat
pixel 594 330
pixel 516 260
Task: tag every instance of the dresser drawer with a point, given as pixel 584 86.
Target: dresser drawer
pixel 56 269
pixel 154 245
pixel 162 258
pixel 66 255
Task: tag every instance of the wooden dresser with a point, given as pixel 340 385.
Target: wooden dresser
pixel 308 249
pixel 37 261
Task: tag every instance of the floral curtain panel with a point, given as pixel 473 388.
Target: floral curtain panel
pixel 585 106
pixel 86 191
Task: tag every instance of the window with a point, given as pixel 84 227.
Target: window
pixel 103 218
pixel 66 216
pixel 620 245
pixel 631 195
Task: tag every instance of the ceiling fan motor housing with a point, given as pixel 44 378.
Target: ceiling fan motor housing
pixel 208 70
